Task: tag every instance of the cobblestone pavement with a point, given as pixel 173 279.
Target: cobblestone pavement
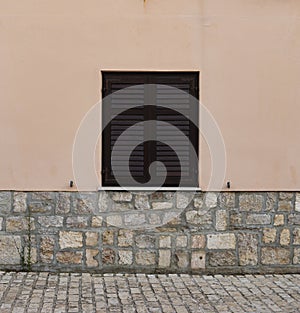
pixel 46 292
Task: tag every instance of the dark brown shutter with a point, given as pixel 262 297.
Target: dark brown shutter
pixel 114 84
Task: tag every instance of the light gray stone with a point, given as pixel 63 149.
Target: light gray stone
pixel 221 241
pixel 227 200
pixel 181 241
pixel 135 219
pixel 198 260
pixel 258 219
pixel 182 258
pixel 297 202
pixel 5 202
pixel 51 221
pixel 141 202
pixel 275 255
pixel 221 220
pixel 104 202
pixel 183 199
pixel 121 196
pixel 211 199
pixel 70 239
pixel 91 255
pixel 125 238
pixel 47 248
pixel 296 235
pixel 165 241
pixel 248 248
pixel 145 241
pixel 164 258
pixel 198 241
pixel 145 257
pixel 63 203
pixel 203 218
pixel 86 203
pixel 125 257
pixel 10 249
pixel 19 202
pixel 162 205
pixel 77 221
pixel 251 202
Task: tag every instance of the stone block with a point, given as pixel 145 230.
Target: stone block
pixel 165 241
pixel 182 258
pixel 278 220
pixel 69 257
pixel 247 249
pixel 121 196
pixel 86 203
pixel 10 247
pixel 63 203
pixel 211 200
pixel 251 202
pixel 91 255
pixel 296 236
pixel 181 241
pixel 40 207
pixel 92 238
pixel 97 221
pixel 164 258
pixel 145 241
pixel 162 205
pixel 108 237
pixel 227 200
pixel 19 223
pixel 43 196
pixel 77 221
pixel 114 220
pixel 222 258
pixel 285 237
pixel 269 235
pixel 296 257
pixel 202 218
pixel 221 241
pixel 125 257
pixel 221 220
pixel 104 202
pixel 199 202
pixel 19 202
pixel 285 205
pixel 70 239
pixel 275 255
pixel 47 249
pixel 145 257
pixel 135 219
pixel 271 201
pixel 297 202
pixel 198 260
pixel 108 256
pixel 197 241
pixel 141 202
pixel 258 219
pixel 183 199
pixel 50 221
pixel 125 238
pixel 5 202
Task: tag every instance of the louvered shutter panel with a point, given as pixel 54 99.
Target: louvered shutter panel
pixel 122 98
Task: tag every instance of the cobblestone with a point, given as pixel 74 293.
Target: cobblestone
pixel 51 292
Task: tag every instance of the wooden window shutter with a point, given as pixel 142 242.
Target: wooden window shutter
pixel 114 86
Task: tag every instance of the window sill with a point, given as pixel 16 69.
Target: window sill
pixel 149 189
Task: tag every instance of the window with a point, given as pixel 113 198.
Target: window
pixel 135 98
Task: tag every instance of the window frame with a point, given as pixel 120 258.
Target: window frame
pixel 150 77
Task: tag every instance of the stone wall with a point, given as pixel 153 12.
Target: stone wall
pixel 230 232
